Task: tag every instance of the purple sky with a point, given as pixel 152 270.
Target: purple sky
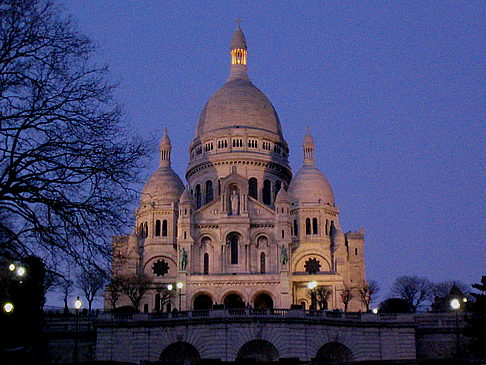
pixel 393 92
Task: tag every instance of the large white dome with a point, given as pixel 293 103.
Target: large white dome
pixel 310 185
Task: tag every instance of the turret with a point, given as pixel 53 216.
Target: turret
pixel 238 51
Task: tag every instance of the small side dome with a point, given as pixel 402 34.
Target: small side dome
pixel 309 185
pixel 163 187
pixel 186 197
pixel 282 197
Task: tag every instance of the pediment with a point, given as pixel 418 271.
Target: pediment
pixel 259 210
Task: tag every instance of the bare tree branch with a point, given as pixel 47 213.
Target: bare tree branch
pixel 67 161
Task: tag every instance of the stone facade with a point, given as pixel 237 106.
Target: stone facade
pixel 244 231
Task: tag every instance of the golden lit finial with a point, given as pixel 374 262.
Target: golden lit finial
pixel 238 46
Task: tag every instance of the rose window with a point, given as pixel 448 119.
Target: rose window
pixel 312 266
pixel 160 268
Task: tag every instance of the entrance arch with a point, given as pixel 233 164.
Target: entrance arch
pixel 263 301
pixel 259 351
pixel 180 352
pixel 335 352
pixel 203 301
pixel 233 300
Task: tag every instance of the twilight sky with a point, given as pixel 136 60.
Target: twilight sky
pixel 394 94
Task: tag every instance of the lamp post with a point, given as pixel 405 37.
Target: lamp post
pixel 312 286
pixel 179 286
pixel 456 306
pixel 77 306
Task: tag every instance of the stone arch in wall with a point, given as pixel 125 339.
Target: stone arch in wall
pixel 322 262
pixel 263 300
pixel 157 263
pixel 202 301
pixel 334 353
pixel 258 351
pixel 233 300
pixel 180 352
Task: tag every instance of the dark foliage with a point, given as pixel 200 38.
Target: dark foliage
pixel 476 322
pixel 395 305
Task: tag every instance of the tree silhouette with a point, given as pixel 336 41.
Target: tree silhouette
pixel 66 159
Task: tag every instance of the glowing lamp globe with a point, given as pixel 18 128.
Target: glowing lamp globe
pixel 455 304
pixel 8 308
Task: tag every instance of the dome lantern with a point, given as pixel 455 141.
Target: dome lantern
pixel 308 146
pixel 238 50
pixel 165 149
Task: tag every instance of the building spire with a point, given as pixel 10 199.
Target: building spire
pixel 308 146
pixel 165 148
pixel 238 51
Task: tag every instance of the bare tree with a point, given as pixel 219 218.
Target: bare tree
pixel 346 296
pixel 322 295
pixel 91 281
pixel 367 290
pixel 413 289
pixel 115 290
pixel 443 288
pixel 66 159
pixel 66 287
pixel 165 295
pixel 135 286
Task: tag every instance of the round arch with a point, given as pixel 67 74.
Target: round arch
pixel 334 352
pixel 233 300
pixel 147 267
pixel 180 352
pixel 202 301
pixel 259 351
pixel 299 262
pixel 263 300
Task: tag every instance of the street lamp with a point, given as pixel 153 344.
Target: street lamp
pixel 312 286
pixel 77 305
pixel 8 308
pixel 169 287
pixel 179 286
pixel 21 271
pixel 11 267
pixel 455 304
pixel 375 310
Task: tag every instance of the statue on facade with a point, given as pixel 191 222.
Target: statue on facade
pixel 234 200
pixel 284 258
pixel 182 259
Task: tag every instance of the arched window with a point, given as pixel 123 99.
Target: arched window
pixel 219 187
pixel 296 228
pixel 253 188
pixel 164 228
pixel 327 226
pixel 283 233
pixel 262 263
pixel 198 196
pixel 267 192
pixel 206 264
pixel 233 242
pixel 145 229
pixel 157 228
pixel 315 228
pixel 307 226
pixel 278 185
pixel 209 191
